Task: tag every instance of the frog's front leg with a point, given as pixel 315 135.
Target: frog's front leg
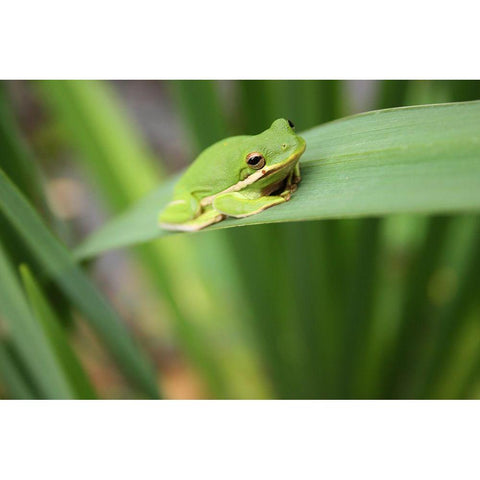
pixel 238 205
pixel 296 174
pixel 293 180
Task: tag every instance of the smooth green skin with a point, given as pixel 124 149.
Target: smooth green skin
pixel 220 183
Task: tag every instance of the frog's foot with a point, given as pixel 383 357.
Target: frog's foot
pixel 237 205
pixel 287 194
pixel 291 184
pixel 207 218
pixel 180 210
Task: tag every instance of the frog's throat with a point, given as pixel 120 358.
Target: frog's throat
pixel 254 177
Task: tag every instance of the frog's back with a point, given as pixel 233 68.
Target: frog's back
pixel 215 169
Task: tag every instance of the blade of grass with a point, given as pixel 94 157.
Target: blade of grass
pixel 16 161
pixel 28 337
pixel 439 291
pixel 332 258
pixel 66 357
pixel 463 90
pixel 266 320
pixel 256 95
pixel 378 163
pixel 462 362
pixel 392 93
pixel 15 158
pixel 414 310
pixel 359 311
pixel 11 377
pixel 311 267
pixel 452 319
pixel 201 111
pixel 57 261
pixel 467 386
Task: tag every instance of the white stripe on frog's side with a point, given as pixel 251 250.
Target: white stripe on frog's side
pixel 234 188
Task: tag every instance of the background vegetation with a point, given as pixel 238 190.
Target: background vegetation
pixel 384 307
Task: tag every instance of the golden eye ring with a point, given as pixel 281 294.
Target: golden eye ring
pixel 255 160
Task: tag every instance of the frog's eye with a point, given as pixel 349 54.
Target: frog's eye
pixel 292 126
pixel 255 160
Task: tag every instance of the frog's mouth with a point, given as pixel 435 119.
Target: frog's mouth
pixel 256 176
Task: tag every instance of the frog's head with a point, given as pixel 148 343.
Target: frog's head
pixel 274 149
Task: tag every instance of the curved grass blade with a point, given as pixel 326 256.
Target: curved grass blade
pixel 18 163
pixel 411 159
pixel 60 265
pixel 51 326
pixel 27 336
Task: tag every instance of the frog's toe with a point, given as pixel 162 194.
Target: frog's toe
pixel 180 210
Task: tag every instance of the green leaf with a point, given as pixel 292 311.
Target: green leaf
pixel 15 156
pixel 18 163
pixel 60 265
pixel 27 336
pixel 11 377
pixel 51 326
pixel 412 159
pixel 199 104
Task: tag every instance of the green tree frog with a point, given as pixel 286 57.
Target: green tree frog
pixel 237 177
